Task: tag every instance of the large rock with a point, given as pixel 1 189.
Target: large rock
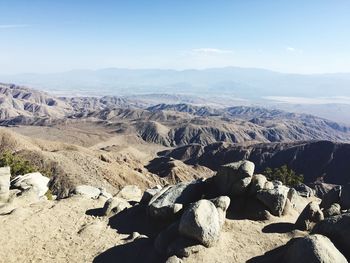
pixel 221 203
pixel 233 179
pixel 309 216
pixel 312 248
pixel 5 175
pixel 173 259
pixel 32 180
pixel 345 197
pixel 258 183
pixel 337 229
pixel 274 199
pixel 304 190
pixel 331 197
pixel 201 222
pixel 114 206
pixel 87 191
pixel 297 202
pixel 148 194
pixel 170 200
pixel 130 193
pixel 333 210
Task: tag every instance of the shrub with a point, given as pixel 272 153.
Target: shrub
pixel 17 164
pixel 285 175
pixel 20 165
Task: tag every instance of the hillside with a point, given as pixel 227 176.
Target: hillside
pixel 315 159
pixel 168 124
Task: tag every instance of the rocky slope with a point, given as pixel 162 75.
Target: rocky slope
pixel 72 164
pixel 315 160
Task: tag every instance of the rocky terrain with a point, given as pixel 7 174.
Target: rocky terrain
pixel 119 179
pixel 234 216
pixel 168 125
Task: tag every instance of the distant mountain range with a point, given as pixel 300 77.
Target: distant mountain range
pixel 241 82
pixel 325 95
pixel 167 124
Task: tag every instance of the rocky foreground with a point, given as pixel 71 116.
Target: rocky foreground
pixel 233 216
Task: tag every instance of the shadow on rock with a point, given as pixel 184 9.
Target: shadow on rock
pixel 134 219
pixel 279 228
pixel 273 256
pixel 94 212
pixel 140 250
pixel 246 208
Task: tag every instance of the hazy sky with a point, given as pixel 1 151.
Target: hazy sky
pixel 304 36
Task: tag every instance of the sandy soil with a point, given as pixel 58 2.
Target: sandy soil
pixel 69 230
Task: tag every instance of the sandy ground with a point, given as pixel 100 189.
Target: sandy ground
pixel 69 230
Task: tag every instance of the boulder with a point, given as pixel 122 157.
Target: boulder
pixel 274 199
pixel 312 248
pixel 297 202
pixel 293 196
pixel 337 229
pixel 201 222
pixel 309 216
pixel 32 180
pixel 333 210
pixel 221 203
pixel 269 185
pixel 130 193
pixel 331 197
pixel 304 190
pixel 87 191
pixel 233 179
pixel 173 259
pixel 170 200
pixel 258 183
pixel 114 206
pixel 5 175
pixel 345 197
pixel 148 195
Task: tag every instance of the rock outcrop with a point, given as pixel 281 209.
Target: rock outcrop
pixel 87 191
pixel 170 200
pixel 233 179
pixel 114 206
pixel 313 248
pixel 130 193
pixel 36 181
pixel 274 199
pixel 311 215
pixel 337 229
pixel 201 222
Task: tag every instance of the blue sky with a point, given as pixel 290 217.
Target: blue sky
pixel 304 36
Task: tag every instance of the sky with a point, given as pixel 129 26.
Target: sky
pixel 301 36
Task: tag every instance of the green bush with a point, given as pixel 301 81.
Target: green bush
pixel 285 175
pixel 20 165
